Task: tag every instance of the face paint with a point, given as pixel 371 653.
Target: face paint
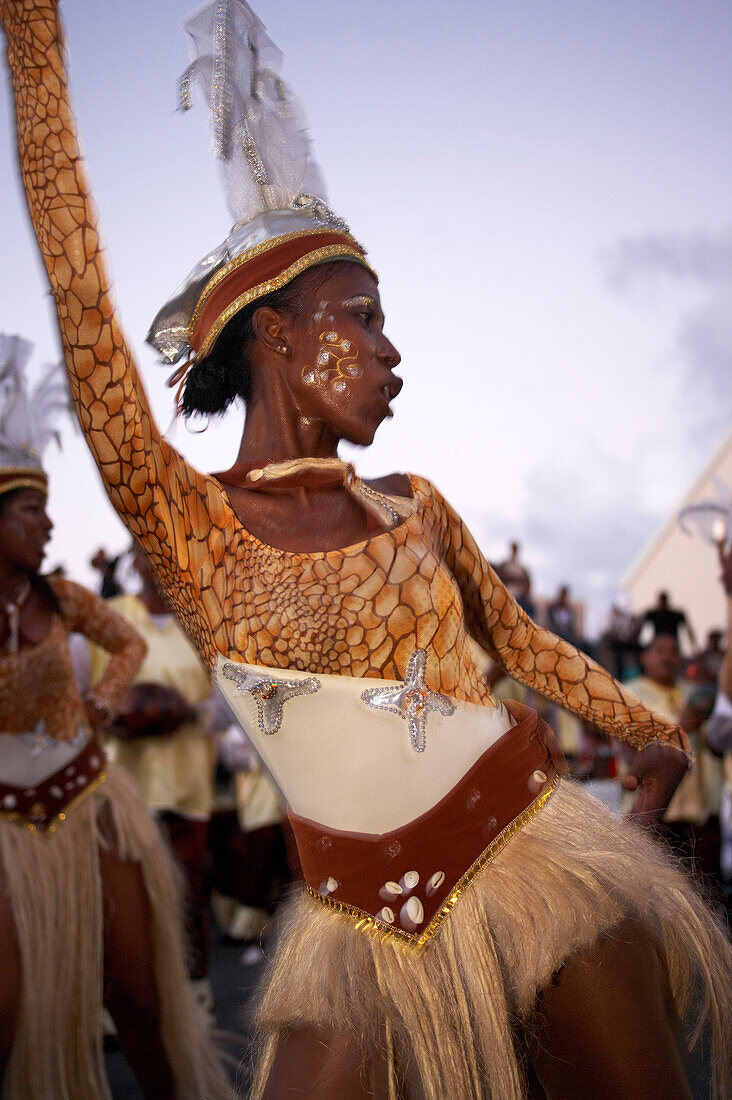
pixel 365 301
pixel 334 363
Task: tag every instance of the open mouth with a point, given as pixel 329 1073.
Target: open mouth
pixel 387 394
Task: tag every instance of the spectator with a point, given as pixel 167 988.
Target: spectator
pixel 709 660
pixel 691 822
pixel 561 618
pixel 720 732
pixel 107 566
pixel 667 620
pixel 618 644
pixel 162 736
pixel 517 579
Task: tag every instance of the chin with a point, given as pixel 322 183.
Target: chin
pixel 33 563
pixel 363 436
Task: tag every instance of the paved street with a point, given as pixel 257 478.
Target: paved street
pixel 232 984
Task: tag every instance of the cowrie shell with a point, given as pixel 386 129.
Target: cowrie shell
pixel 435 883
pixel 386 915
pixel 411 914
pixel 390 890
pixel 537 780
pixel 410 880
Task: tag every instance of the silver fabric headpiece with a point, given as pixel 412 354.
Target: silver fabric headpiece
pixel 259 133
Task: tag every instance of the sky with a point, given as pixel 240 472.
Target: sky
pixel 544 189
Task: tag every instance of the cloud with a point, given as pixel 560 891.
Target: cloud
pixel 583 520
pixel 700 265
pixel 697 257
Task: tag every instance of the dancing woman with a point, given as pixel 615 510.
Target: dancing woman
pixel 89 909
pixel 473 924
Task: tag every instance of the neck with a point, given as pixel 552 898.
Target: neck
pixel 154 600
pixel 665 683
pixel 275 430
pixel 12 581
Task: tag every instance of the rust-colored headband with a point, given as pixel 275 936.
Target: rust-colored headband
pixel 261 270
pixel 19 477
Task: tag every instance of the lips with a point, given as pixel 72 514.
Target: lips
pixel 386 397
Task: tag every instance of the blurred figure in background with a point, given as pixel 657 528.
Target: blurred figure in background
pixel 709 660
pixel 253 858
pixel 561 618
pixel 618 646
pixel 517 579
pixel 162 736
pixel 107 567
pixel 720 732
pixel 691 822
pixel 665 619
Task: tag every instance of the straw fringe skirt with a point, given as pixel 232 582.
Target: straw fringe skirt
pixel 449 1012
pixel 56 895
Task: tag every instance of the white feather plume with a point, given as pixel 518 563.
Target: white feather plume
pixel 28 416
pixel 259 129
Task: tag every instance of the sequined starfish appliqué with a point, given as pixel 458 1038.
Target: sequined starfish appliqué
pixel 269 693
pixel 412 701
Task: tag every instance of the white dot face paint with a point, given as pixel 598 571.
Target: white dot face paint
pixel 334 363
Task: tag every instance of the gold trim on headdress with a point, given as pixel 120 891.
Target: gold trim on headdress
pixel 309 259
pixel 23 478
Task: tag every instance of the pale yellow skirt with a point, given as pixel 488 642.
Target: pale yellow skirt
pixel 450 1011
pixel 55 888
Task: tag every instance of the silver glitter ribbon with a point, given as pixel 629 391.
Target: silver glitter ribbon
pixel 221 85
pixel 251 152
pixel 185 99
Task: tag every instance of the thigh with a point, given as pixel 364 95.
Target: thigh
pixel 129 955
pixel 607 1027
pixel 320 1063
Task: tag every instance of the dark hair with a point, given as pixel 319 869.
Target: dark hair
pixel 214 383
pixel 39 583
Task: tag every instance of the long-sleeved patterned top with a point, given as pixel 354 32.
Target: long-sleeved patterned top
pixel 37 684
pixel 362 610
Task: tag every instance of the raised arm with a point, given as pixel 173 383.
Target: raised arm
pixel 148 483
pixel 534 656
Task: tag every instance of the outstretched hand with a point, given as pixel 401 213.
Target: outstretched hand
pixel 655 774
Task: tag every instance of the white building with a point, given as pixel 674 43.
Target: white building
pixel 686 566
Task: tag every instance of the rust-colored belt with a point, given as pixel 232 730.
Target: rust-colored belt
pixel 43 807
pixel 404 883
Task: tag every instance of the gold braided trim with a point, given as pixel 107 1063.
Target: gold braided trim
pixel 24 481
pixel 382 932
pixel 251 254
pixel 55 822
pixel 320 255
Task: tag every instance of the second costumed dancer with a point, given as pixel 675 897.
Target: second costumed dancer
pixel 473 924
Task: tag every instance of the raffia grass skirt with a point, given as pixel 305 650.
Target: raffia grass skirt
pixel 55 887
pixel 450 1012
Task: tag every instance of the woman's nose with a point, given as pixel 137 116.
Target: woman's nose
pixel 389 354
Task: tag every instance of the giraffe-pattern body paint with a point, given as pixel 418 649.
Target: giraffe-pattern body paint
pixel 361 610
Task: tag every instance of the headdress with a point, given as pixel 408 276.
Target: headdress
pixel 26 418
pixel 274 187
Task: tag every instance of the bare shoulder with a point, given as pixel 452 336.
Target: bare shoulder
pixel 397 485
